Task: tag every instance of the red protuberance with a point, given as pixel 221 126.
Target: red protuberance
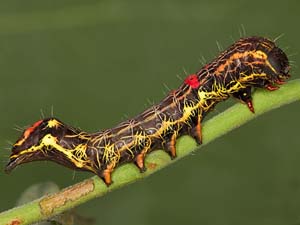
pixel 250 106
pixel 280 82
pixel 29 130
pixel 192 80
pixel 271 87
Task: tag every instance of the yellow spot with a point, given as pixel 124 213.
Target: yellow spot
pixel 53 123
pixel 202 95
pixel 49 140
pixel 260 55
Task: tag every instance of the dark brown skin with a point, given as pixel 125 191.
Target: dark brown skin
pixel 253 62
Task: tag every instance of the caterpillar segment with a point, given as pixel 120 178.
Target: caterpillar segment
pixel 253 62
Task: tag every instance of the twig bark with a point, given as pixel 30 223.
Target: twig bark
pixel 70 197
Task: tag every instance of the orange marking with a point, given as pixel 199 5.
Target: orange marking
pixel 140 160
pixel 267 45
pixel 238 55
pixel 172 146
pixel 199 130
pixel 196 132
pixel 27 132
pixel 107 174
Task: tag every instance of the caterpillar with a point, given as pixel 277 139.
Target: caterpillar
pixel 251 62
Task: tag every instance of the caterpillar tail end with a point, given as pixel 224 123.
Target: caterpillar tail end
pixel 14 161
pixel 11 165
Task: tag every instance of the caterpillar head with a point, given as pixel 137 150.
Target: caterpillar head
pixel 47 139
pixel 263 59
pixel 279 64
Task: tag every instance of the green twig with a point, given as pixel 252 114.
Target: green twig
pixel 51 205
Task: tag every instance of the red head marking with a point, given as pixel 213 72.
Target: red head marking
pixel 192 80
pixel 28 131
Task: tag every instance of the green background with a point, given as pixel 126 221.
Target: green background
pixel 98 62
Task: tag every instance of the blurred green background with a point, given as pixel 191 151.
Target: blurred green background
pixel 98 62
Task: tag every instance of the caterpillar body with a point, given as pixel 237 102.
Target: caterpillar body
pixel 252 62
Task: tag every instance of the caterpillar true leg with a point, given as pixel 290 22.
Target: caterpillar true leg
pixel 244 95
pixel 271 87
